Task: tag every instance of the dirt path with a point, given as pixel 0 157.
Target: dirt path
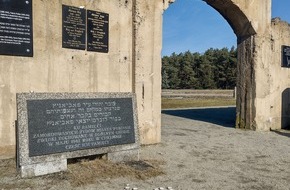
pixel 205 153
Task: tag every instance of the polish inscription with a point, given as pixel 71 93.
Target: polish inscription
pixel 16 37
pixel 98 31
pixel 73 27
pixel 74 124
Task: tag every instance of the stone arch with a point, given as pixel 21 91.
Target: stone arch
pixel 239 22
pixel 245 32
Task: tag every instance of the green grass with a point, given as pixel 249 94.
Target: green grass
pixel 168 103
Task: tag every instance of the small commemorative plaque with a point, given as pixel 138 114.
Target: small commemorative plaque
pixel 73 27
pixel 97 31
pixel 16 36
pixel 285 56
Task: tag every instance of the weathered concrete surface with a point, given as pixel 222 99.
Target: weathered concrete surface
pixel 279 77
pixel 148 39
pixel 39 169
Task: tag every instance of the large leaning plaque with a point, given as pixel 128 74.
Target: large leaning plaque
pixel 285 56
pixel 75 124
pixel 16 37
pixel 97 31
pixel 73 27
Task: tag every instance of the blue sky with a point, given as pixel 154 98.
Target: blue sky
pixel 195 26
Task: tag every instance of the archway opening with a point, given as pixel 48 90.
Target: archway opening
pixel 243 31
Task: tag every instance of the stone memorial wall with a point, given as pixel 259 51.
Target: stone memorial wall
pixel 279 99
pixel 48 52
pixel 42 49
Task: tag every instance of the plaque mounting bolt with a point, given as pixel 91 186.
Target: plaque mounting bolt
pixel 28 50
pixel 27 2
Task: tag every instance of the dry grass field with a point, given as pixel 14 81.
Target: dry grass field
pixel 197 98
pixel 80 173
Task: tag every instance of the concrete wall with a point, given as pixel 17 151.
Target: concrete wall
pixel 270 81
pixel 280 77
pixel 148 39
pixel 256 91
pixel 56 69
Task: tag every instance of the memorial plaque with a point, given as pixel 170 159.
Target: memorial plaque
pixel 97 31
pixel 16 37
pixel 73 124
pixel 285 56
pixel 73 27
pixel 52 127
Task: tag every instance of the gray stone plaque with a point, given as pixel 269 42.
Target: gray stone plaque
pixel 16 37
pixel 66 125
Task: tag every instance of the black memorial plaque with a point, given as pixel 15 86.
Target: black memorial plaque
pixel 16 37
pixel 73 27
pixel 97 31
pixel 63 125
pixel 285 56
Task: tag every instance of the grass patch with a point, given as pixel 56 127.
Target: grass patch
pixel 168 103
pixel 82 172
pixel 7 168
pixel 9 178
pixel 88 171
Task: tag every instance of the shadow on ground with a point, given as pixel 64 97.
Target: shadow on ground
pixel 283 132
pixel 220 116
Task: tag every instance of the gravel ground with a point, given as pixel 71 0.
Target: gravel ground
pixel 200 149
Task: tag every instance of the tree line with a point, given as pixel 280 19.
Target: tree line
pixel 214 69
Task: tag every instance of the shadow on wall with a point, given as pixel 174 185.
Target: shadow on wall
pixel 224 117
pixel 285 120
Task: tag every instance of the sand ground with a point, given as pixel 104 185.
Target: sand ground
pixel 200 149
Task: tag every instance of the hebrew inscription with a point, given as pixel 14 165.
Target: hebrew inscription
pixel 16 27
pixel 73 27
pixel 73 124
